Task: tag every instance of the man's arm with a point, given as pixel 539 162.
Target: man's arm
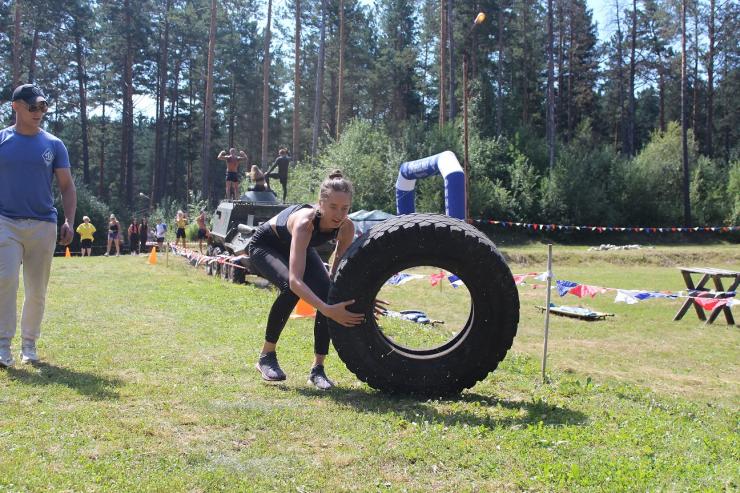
pixel 69 202
pixel 242 155
pixel 221 156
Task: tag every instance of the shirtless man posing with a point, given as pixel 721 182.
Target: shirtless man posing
pixel 232 171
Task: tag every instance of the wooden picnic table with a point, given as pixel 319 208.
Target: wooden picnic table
pixel 716 276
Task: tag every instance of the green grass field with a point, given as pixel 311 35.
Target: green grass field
pixel 148 385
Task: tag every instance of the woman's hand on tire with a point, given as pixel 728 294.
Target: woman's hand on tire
pixel 339 313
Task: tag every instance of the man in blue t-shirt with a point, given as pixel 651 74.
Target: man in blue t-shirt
pixel 29 159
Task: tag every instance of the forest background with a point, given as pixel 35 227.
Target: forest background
pixel 564 127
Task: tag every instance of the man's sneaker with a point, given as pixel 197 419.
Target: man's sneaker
pixel 318 378
pixel 28 354
pixel 6 357
pixel 269 367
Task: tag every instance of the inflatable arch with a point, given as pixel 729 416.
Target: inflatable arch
pixel 445 164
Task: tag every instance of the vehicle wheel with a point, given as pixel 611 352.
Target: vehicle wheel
pixel 426 240
pixel 237 275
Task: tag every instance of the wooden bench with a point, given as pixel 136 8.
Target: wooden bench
pixel 716 276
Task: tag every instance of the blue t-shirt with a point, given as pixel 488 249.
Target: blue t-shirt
pixel 27 164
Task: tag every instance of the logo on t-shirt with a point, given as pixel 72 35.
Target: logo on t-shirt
pixel 48 156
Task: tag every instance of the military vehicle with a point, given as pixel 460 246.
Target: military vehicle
pixel 233 224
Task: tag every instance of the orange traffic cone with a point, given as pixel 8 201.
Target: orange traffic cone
pixel 303 310
pixel 153 256
pixel 66 252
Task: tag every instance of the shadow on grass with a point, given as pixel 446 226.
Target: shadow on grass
pixel 88 384
pixel 469 408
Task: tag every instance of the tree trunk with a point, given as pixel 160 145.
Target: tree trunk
pixel 173 120
pixel 340 77
pixel 319 83
pixel 232 110
pixel 710 82
pixel 561 55
pixel 206 149
pixel 500 72
pixel 159 161
pixel 442 60
pixel 82 91
pixel 127 123
pixel 451 51
pixel 103 136
pixel 266 88
pixel 17 33
pixel 684 118
pixel 569 96
pixel 32 58
pixel 633 66
pixel 550 89
pixel 297 84
pixel 622 129
pixel 661 95
pixel 695 92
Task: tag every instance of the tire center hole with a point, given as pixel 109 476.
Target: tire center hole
pixel 428 306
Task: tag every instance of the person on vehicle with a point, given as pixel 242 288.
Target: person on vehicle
pixel 203 232
pixel 257 177
pixel 133 237
pixel 283 251
pixel 86 231
pixel 281 163
pixel 232 171
pixel 181 222
pixel 114 236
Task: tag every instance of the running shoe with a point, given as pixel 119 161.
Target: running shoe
pixel 270 368
pixel 318 378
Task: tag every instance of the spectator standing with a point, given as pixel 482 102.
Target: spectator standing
pixel 160 230
pixel 203 232
pixel 133 237
pixel 181 222
pixel 143 234
pixel 114 235
pixel 30 158
pixel 86 230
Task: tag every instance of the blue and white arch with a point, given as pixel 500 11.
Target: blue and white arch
pixel 448 166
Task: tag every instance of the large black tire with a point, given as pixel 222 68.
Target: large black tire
pixel 415 240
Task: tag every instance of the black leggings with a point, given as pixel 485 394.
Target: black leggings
pixel 269 257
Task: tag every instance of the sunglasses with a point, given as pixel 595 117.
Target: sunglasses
pixel 42 106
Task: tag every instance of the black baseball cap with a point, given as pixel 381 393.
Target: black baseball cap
pixel 29 93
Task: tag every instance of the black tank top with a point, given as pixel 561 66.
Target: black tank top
pixel 113 228
pixel 318 237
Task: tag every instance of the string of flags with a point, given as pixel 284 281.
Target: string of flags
pixel 610 229
pixel 706 300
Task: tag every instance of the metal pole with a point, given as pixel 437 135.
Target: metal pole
pixel 547 309
pixel 465 127
pixel 167 257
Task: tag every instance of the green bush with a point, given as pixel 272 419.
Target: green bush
pixel 654 180
pixel 709 193
pixel 733 193
pixel 581 187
